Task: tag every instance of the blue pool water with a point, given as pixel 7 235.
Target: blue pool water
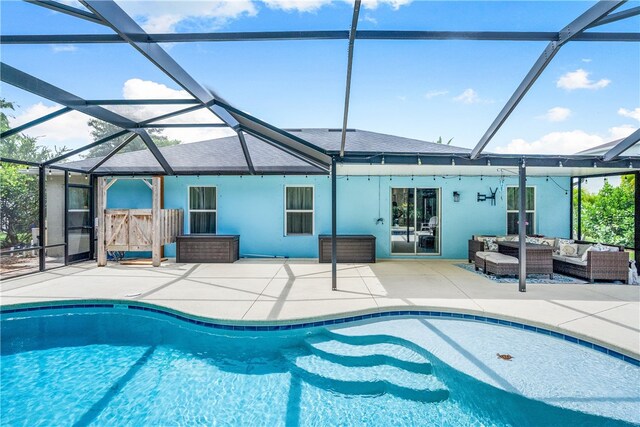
pixel 119 367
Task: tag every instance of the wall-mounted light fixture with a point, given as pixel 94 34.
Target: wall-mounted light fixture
pixel 456 196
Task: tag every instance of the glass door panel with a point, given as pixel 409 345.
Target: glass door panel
pixel 427 221
pixel 415 221
pixel 403 221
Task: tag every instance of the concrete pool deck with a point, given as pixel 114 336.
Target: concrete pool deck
pixel 278 290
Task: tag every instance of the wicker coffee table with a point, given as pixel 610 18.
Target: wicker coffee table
pixel 539 257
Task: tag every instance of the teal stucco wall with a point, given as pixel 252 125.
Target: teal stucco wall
pixel 253 207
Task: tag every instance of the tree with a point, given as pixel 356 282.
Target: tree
pixel 19 190
pixel 608 216
pixel 100 129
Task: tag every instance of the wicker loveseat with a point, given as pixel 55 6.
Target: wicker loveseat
pixel 610 265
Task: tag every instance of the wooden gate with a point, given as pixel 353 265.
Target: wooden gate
pixel 128 229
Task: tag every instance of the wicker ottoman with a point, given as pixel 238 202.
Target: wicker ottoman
pixel 501 265
pixel 480 258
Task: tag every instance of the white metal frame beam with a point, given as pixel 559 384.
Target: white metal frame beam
pixel 347 94
pixel 622 146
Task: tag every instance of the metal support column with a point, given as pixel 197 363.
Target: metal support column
pixel 572 188
pixel 522 228
pixel 637 219
pixel 579 229
pixel 41 217
pixel 334 242
pixel 66 217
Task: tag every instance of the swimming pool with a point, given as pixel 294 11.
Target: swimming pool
pixel 118 366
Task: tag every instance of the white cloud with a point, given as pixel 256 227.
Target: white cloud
pixel 619 132
pixel 633 114
pixel 166 16
pixel 68 129
pixel 470 96
pixel 402 98
pixel 579 79
pixel 146 89
pixel 64 48
pixel 433 93
pixel 370 19
pixel 586 60
pixel 569 142
pixel 296 5
pixel 557 114
pixel 394 4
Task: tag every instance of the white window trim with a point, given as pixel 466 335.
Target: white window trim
pixel 533 211
pixel 189 210
pixel 312 210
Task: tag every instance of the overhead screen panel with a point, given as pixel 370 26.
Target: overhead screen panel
pixel 470 15
pixel 93 71
pixel 432 89
pixel 44 21
pixel 586 97
pixel 64 132
pixel 233 15
pixel 288 84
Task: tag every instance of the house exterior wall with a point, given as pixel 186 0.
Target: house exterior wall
pixel 253 207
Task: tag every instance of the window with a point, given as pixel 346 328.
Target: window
pixel 513 200
pixel 202 210
pixel 298 217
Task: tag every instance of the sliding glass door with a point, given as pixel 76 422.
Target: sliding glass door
pixel 415 221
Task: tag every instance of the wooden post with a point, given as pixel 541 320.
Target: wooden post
pixel 156 221
pixel 102 203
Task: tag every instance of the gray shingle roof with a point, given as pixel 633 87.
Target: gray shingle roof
pixel 224 155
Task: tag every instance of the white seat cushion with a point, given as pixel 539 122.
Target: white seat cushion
pixel 483 254
pixel 570 259
pixel 501 258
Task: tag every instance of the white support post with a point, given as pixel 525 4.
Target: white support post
pixel 102 203
pixel 156 221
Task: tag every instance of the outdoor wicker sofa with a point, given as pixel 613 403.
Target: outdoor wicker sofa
pixel 611 264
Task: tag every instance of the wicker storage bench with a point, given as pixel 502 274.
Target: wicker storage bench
pixel 350 248
pixel 207 248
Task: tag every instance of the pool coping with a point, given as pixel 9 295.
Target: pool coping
pixel 329 320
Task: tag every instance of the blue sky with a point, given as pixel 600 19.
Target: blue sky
pixel 589 94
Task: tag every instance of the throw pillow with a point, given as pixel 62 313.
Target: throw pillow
pixel 535 240
pixel 569 249
pixel 490 244
pixel 605 248
pixel 589 249
pixel 565 241
pixel 559 241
